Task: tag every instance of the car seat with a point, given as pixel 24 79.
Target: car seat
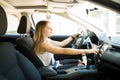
pixel 13 65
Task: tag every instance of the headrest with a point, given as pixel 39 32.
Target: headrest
pixel 24 25
pixel 3 21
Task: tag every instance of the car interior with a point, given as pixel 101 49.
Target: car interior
pixel 19 62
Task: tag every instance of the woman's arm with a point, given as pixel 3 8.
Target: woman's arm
pixel 68 51
pixel 64 42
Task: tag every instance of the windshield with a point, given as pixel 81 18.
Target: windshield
pixel 99 17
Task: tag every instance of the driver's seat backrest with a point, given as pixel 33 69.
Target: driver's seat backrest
pixel 24 43
pixel 13 65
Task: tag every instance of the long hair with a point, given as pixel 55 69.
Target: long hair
pixel 38 36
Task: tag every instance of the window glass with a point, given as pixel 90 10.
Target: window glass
pixel 118 23
pixel 61 25
pixel 101 18
pixel 13 23
pixel 38 17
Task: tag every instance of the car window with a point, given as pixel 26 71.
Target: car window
pixel 61 25
pixel 100 17
pixel 118 23
pixel 13 23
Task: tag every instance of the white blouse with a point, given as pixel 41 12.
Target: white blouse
pixel 47 58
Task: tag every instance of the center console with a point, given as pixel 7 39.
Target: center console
pixel 74 73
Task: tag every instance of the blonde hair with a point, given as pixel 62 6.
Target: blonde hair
pixel 38 36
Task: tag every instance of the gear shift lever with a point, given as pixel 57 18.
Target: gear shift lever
pixel 89 61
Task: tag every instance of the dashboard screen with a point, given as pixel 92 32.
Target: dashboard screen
pixel 104 48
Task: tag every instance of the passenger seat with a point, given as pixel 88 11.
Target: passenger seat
pixel 13 65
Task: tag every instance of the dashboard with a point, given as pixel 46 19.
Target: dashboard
pixel 104 47
pixel 109 59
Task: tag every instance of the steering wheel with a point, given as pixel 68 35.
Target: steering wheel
pixel 95 41
pixel 78 41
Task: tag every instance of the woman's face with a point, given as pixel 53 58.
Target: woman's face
pixel 48 30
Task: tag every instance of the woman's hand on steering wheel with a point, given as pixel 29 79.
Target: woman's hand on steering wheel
pixel 77 34
pixel 78 39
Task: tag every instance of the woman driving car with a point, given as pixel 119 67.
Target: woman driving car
pixel 45 48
